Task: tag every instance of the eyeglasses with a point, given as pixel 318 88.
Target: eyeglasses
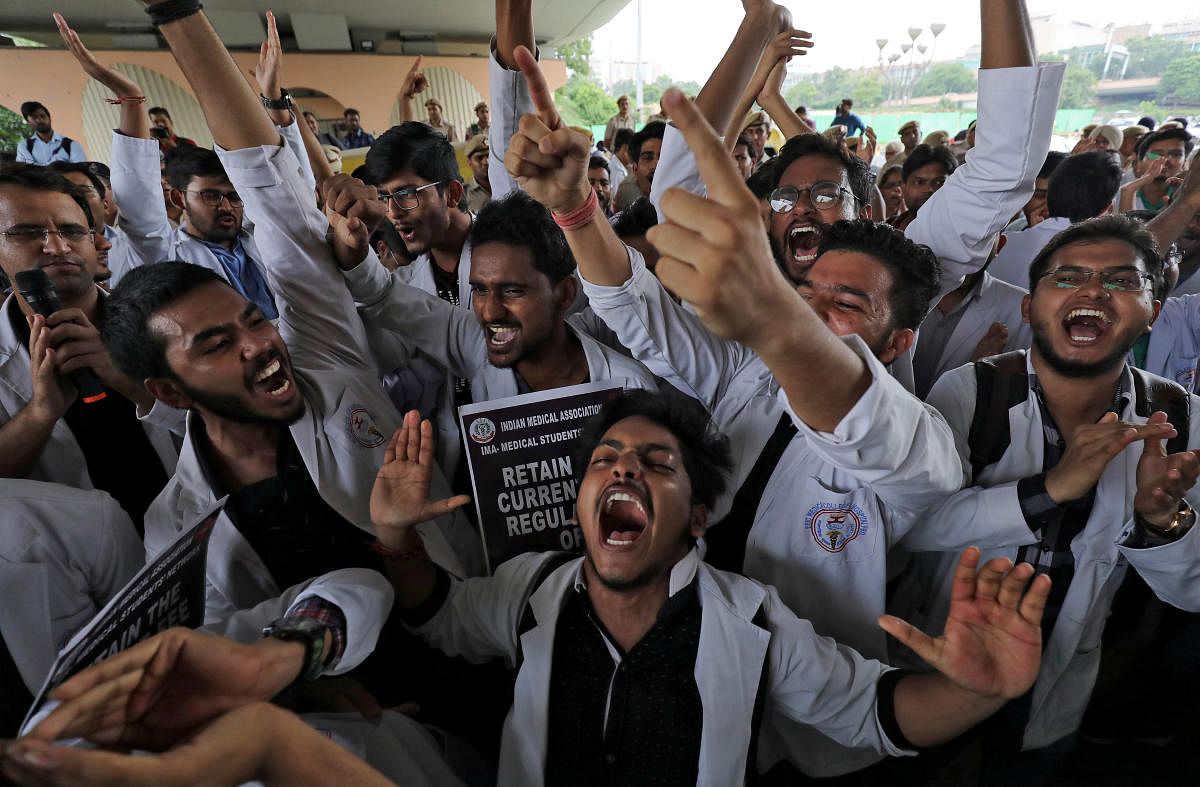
pixel 406 199
pixel 32 234
pixel 212 198
pixel 1173 155
pixel 821 196
pixel 1112 280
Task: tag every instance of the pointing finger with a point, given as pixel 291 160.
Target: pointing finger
pixel 539 89
pixel 725 184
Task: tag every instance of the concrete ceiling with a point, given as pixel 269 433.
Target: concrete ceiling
pixel 412 27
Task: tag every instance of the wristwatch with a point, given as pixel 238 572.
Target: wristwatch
pixel 311 634
pixel 1185 517
pixel 283 102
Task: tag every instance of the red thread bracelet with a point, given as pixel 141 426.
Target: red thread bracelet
pixel 391 553
pixel 580 216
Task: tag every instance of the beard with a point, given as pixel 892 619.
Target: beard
pixel 1079 369
pixel 233 409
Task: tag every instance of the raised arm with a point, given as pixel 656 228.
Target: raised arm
pixel 269 75
pixel 731 78
pixel 414 83
pixel 134 120
pixel 1173 220
pixel 716 257
pixel 771 99
pixel 961 220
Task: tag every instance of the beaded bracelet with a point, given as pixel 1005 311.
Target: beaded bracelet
pixel 127 100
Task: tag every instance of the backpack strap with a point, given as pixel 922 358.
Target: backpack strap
pixel 528 621
pixel 1001 383
pixel 726 541
pixel 1157 393
pixel 29 146
pixel 65 147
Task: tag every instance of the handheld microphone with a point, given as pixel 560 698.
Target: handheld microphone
pixel 38 291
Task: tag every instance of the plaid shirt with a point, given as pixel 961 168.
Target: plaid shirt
pixel 1056 524
pixel 328 615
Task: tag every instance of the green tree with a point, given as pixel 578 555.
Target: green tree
pixel 584 103
pixel 836 83
pixel 13 129
pixel 1180 83
pixel 1078 88
pixel 868 91
pixel 943 78
pixel 1149 57
pixel 802 93
pixel 577 55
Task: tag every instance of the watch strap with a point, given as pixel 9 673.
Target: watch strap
pixel 283 102
pixel 307 631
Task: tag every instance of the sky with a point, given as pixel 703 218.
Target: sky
pixel 687 37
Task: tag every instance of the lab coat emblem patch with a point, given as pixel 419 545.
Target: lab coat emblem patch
pixel 834 526
pixel 361 425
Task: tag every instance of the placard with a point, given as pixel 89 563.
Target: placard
pixel 519 453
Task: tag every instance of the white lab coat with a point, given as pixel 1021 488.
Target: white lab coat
pixel 62 460
pixel 960 221
pixel 991 301
pixel 480 617
pixel 1174 350
pixel 454 338
pixel 989 515
pixel 348 417
pixel 137 187
pixel 64 553
pixel 886 460
pixel 1012 263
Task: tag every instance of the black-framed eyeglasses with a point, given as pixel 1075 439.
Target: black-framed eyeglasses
pixel 32 234
pixel 1070 277
pixel 822 196
pixel 406 199
pixel 212 198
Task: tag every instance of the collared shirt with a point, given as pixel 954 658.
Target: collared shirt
pixel 936 331
pixel 477 196
pixel 358 139
pixel 1054 523
pixel 617 718
pixel 851 121
pixel 46 152
pixel 244 275
pixel 616 123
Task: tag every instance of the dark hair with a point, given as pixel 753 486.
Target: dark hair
pixel 923 155
pixel 802 110
pixel 101 169
pixel 158 111
pixel 29 107
pixel 849 102
pixel 597 162
pixel 136 349
pixel 742 141
pixel 1099 229
pixel 1146 140
pixel 1053 159
pixel 1147 122
pixel 705 452
pixel 84 168
pixel 624 136
pixel 763 180
pixel 38 178
pixel 309 113
pixel 1083 185
pixel 635 219
pixel 191 161
pixel 519 220
pixel 886 172
pixel 348 111
pixel 414 146
pixel 916 272
pixel 858 173
pixel 654 130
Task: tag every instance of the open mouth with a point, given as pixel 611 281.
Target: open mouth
pixel 273 380
pixel 802 243
pixel 407 232
pixel 501 337
pixel 623 516
pixel 1085 326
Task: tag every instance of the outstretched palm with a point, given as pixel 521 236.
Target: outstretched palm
pixel 106 75
pixel 992 643
pixel 400 497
